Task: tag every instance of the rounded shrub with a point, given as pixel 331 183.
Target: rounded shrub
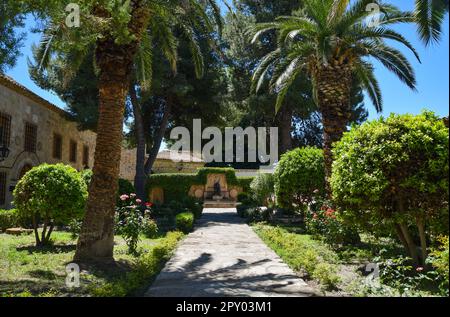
pixel 51 194
pixel 393 173
pixel 299 173
pixel 185 222
pixel 262 188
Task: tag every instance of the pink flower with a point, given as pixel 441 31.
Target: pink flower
pixel 316 191
pixel 315 216
pixel 124 197
pixel 138 201
pixel 419 269
pixel 132 195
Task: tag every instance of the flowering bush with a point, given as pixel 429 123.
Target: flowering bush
pixel 132 219
pixel 323 221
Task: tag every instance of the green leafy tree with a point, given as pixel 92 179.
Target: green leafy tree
pixel 331 41
pixel 118 31
pixel 54 194
pixel 11 17
pixel 298 176
pixel 393 173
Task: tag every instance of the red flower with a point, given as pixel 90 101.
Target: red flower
pixel 148 204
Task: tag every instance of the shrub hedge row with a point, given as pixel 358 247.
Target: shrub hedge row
pixel 176 186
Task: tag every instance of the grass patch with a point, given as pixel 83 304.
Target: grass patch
pixel 26 270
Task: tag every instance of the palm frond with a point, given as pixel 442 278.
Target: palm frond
pixel 161 31
pixel 259 29
pixel 261 70
pixel 195 50
pixel 144 62
pixel 393 60
pixel 430 16
pixel 337 10
pixel 360 33
pixel 44 50
pixel 285 81
pixel 364 72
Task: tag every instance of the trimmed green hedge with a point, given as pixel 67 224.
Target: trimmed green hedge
pixel 245 181
pixel 185 222
pixel 9 219
pixel 176 185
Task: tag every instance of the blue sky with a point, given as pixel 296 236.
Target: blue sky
pixel 432 74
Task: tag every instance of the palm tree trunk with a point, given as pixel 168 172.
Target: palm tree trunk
pixel 159 136
pixel 97 235
pixel 96 241
pixel 333 93
pixel 140 177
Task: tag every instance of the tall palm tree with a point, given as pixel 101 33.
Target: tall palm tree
pixel 118 31
pixel 330 41
pixel 430 16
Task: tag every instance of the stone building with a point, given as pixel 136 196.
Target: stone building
pixel 166 162
pixel 35 131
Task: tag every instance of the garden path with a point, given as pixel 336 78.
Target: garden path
pixel 225 257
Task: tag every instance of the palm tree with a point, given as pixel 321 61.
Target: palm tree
pixel 119 32
pixel 430 16
pixel 330 41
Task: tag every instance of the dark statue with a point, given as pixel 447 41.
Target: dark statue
pixel 217 190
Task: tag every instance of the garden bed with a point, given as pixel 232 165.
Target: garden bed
pixel 26 270
pixel 344 271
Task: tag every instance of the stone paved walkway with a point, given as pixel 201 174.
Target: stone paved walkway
pixel 225 257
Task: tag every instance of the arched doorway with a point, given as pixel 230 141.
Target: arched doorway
pixel 24 170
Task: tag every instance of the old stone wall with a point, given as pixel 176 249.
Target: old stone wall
pixel 48 121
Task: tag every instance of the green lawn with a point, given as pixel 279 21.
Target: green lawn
pixel 26 270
